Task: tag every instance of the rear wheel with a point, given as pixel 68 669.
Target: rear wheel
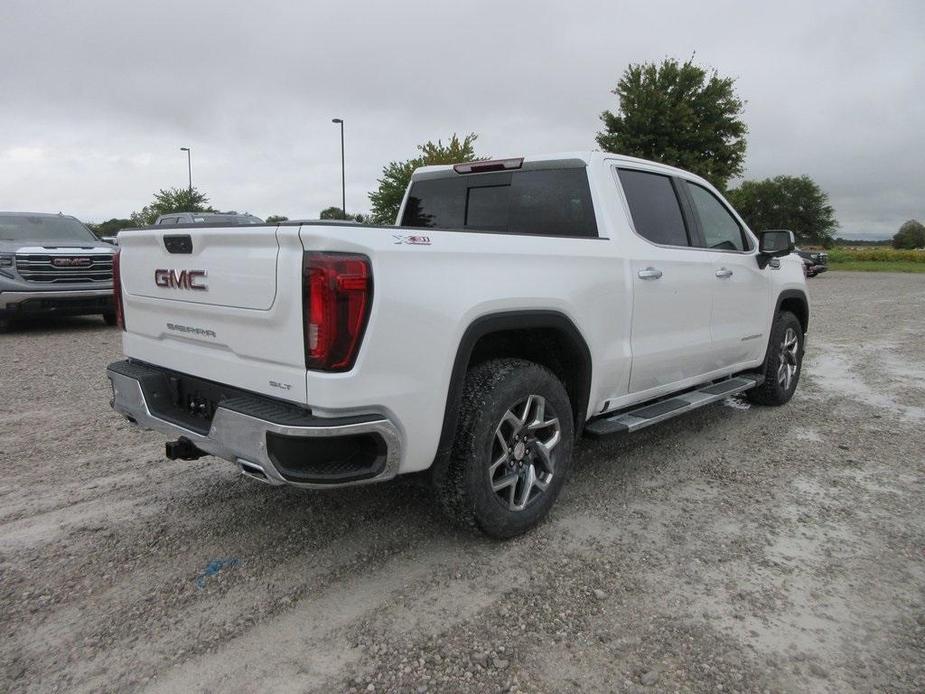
pixel 110 318
pixel 5 324
pixel 784 362
pixel 513 448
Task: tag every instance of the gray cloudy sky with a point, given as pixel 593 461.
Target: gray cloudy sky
pixel 97 96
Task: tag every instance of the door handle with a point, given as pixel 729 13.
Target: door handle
pixel 650 273
pixel 723 273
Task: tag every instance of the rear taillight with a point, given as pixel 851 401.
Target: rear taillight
pixel 117 289
pixel 337 291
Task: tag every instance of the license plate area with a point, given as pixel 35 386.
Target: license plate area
pixel 193 400
pixel 184 400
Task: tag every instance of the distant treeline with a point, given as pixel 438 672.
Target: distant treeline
pixel 838 241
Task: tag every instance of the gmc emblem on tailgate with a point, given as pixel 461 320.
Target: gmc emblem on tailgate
pixel 180 279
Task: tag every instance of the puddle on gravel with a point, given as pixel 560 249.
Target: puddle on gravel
pixel 835 373
pixel 902 370
pixel 737 403
pixel 807 434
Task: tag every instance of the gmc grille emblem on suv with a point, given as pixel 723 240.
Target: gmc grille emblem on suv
pixel 71 262
pixel 180 279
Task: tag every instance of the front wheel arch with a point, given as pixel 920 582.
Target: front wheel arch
pixel 786 346
pixel 795 302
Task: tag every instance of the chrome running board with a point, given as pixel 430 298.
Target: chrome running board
pixel 653 413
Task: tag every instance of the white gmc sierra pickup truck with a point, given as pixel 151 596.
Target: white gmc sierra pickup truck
pixel 516 304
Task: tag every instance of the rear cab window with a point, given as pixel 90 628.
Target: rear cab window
pixel 655 207
pixel 542 202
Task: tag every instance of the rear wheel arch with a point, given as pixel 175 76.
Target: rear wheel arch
pixel 548 338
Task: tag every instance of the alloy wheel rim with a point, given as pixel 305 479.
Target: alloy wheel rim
pixel 788 361
pixel 523 462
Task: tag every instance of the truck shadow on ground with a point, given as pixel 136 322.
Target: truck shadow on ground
pixel 407 507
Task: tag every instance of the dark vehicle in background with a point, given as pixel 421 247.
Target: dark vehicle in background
pixel 224 218
pixel 814 262
pixel 53 264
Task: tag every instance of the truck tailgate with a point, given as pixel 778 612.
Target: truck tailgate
pixel 239 266
pixel 224 304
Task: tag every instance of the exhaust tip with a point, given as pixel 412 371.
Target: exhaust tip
pixel 252 470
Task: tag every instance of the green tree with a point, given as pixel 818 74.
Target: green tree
pixel 171 200
pixel 332 213
pixel 910 235
pixel 110 227
pixel 786 202
pixel 395 176
pixel 276 219
pixel 678 114
pixel 337 213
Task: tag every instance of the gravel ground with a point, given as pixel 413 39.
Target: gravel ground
pixel 734 549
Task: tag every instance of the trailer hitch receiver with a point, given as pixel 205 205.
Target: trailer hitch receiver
pixel 183 449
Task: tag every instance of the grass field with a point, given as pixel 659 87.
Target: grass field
pixel 876 260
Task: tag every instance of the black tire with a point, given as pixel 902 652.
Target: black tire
pixel 5 324
pixel 776 389
pixel 464 486
pixel 110 318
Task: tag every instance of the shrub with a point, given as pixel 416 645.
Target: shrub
pixel 910 235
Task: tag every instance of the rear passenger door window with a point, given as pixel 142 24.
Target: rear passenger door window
pixel 654 207
pixel 721 231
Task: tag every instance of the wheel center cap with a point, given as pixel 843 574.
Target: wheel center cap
pixel 520 449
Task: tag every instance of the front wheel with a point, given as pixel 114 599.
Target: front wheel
pixel 513 448
pixel 784 362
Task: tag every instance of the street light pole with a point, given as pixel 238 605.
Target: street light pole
pixel 189 167
pixel 343 175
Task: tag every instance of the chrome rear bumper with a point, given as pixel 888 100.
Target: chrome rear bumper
pixel 242 437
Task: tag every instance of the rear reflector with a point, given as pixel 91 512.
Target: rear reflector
pixel 117 289
pixel 492 165
pixel 337 295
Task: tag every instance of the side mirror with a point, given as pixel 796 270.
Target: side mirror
pixel 774 244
